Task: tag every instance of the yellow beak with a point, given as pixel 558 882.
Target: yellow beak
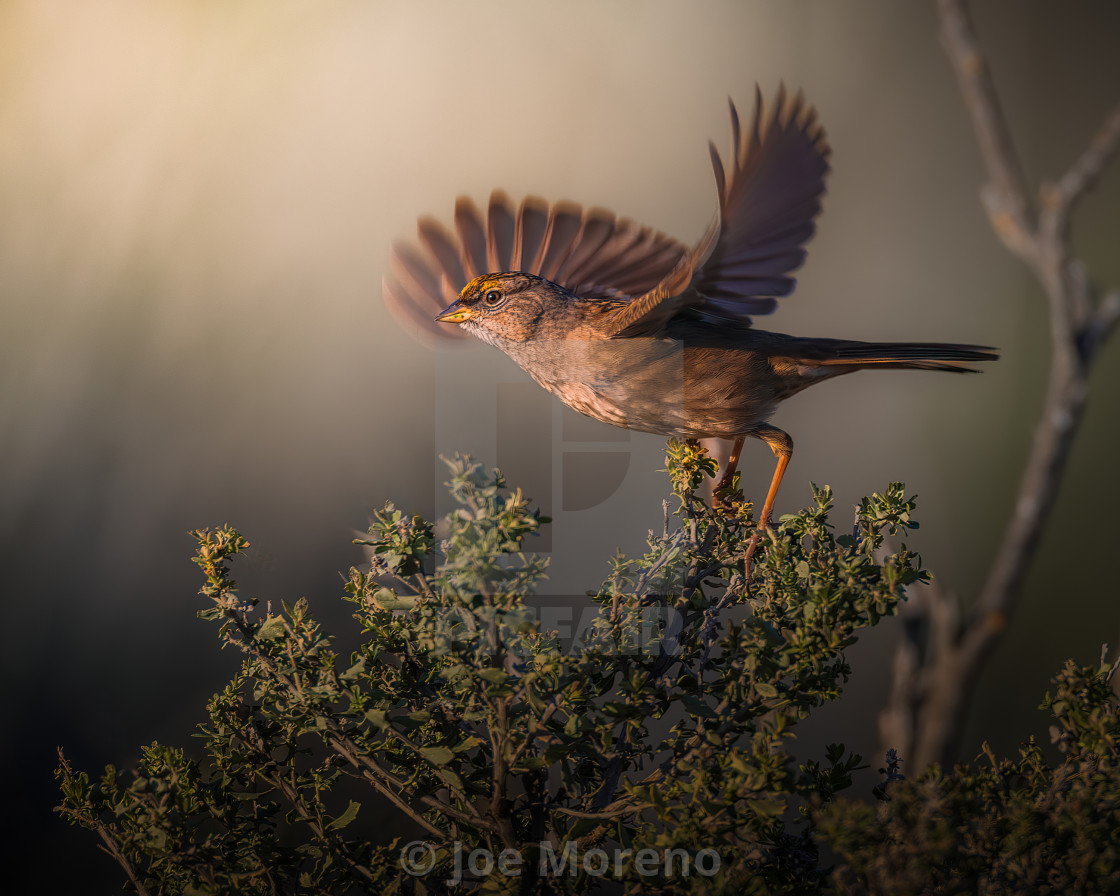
pixel 454 314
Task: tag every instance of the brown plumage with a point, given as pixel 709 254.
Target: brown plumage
pixel 629 326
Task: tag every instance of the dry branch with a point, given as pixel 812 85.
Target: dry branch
pixel 944 646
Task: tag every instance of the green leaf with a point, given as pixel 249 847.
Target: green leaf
pixel 437 755
pixel 766 689
pixel 556 752
pixel 697 707
pixel 387 599
pixel 497 676
pixel 272 628
pixel 346 817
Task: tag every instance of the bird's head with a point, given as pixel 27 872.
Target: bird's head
pixel 507 307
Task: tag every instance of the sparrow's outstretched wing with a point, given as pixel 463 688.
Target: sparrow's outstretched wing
pixel 769 194
pixel 590 252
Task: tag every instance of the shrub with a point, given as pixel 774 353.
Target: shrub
pixel 650 756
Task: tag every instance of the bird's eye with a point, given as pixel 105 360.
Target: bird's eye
pixel 493 297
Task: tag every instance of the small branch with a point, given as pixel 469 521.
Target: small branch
pixel 111 848
pixel 929 623
pixel 669 552
pixel 1101 325
pixel 291 793
pixel 416 748
pixel 616 812
pixel 425 587
pixel 1061 198
pixel 363 774
pixel 931 689
pixel 539 729
pixel 1006 198
pixel 110 844
pixel 376 776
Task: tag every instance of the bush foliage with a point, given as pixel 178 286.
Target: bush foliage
pixel 652 755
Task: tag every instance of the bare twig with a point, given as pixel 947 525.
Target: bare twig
pixel 616 811
pixel 1062 197
pixel 1005 195
pixel 934 681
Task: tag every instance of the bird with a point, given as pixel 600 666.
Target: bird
pixel 629 326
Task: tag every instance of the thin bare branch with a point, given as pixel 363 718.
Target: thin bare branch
pixel 932 687
pixel 362 773
pixel 616 811
pixel 1101 324
pixel 1061 198
pixel 1006 198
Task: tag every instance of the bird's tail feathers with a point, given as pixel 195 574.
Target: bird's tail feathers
pixel 950 356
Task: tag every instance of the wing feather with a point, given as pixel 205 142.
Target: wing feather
pixel 441 244
pixel 769 188
pixel 532 222
pixel 472 238
pixel 587 251
pixel 595 229
pixel 769 193
pixel 564 224
pixel 501 228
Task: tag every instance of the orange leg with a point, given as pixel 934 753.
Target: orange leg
pixel 782 446
pixel 731 465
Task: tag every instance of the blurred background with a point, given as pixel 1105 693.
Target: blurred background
pixel 197 201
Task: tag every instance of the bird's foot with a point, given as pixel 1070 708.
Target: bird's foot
pixel 752 546
pixel 726 493
pixel 725 481
pixel 725 503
